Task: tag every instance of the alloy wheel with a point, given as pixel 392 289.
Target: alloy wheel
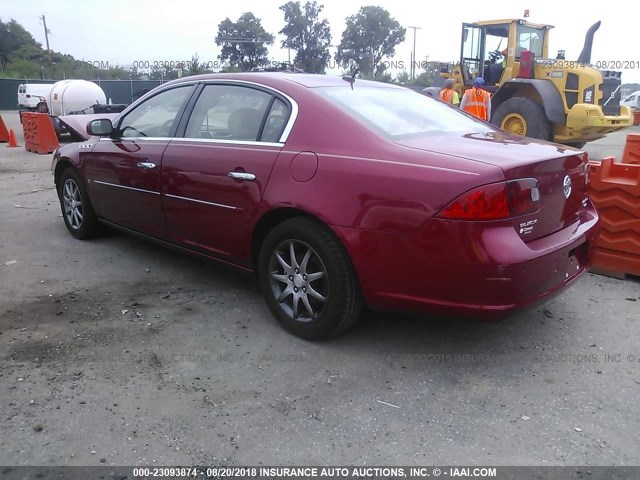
pixel 72 201
pixel 299 280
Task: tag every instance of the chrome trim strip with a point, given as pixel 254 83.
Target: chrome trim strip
pixel 202 201
pixel 157 139
pixel 125 187
pixel 391 162
pixel 283 138
pixel 226 142
pixel 292 118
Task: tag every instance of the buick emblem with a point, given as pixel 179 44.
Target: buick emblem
pixel 566 186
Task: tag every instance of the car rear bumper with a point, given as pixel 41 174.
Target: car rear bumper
pixel 467 268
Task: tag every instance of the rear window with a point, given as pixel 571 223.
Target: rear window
pixel 396 112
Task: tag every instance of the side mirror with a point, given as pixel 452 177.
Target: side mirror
pixel 101 127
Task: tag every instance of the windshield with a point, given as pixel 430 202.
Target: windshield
pixel 396 112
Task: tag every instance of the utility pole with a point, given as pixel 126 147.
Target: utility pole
pixel 413 56
pixel 46 37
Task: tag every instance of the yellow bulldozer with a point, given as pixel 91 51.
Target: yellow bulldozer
pixel 566 101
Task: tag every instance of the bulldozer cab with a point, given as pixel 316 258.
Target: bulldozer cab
pixel 492 49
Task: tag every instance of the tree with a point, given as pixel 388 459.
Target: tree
pixel 403 78
pixel 163 72
pixel 14 37
pixel 370 35
pixel 307 35
pixel 431 71
pixel 195 67
pixel 243 42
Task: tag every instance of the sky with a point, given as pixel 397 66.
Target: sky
pixel 122 32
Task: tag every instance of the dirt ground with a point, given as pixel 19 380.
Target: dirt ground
pixel 119 352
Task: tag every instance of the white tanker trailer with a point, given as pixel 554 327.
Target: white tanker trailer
pixel 72 98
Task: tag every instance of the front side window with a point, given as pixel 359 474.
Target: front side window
pixel 156 116
pixel 397 112
pixel 230 112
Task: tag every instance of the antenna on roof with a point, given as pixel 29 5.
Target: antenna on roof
pixel 351 79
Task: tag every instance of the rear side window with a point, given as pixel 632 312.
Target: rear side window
pixel 230 112
pixel 397 112
pixel 276 121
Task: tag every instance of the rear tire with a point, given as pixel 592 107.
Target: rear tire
pixel 308 281
pixel 77 212
pixel 522 116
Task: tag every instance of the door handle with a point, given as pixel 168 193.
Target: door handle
pixel 146 165
pixel 242 175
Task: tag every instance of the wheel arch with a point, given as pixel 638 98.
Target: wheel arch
pixel 273 218
pixel 268 222
pixel 541 91
pixel 61 166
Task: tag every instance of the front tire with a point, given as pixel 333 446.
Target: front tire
pixel 308 281
pixel 522 116
pixel 77 212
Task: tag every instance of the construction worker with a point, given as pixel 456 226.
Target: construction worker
pixel 477 101
pixel 448 94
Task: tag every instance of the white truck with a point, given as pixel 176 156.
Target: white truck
pixel 632 101
pixel 30 94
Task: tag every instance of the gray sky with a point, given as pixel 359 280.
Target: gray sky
pixel 122 32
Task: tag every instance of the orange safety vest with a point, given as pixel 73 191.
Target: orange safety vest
pixel 477 102
pixel 446 95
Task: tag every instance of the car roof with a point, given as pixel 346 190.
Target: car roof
pixel 276 79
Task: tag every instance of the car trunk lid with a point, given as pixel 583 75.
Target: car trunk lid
pixel 561 172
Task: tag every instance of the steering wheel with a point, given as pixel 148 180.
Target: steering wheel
pixel 495 55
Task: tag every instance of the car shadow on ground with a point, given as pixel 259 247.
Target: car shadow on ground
pixel 395 333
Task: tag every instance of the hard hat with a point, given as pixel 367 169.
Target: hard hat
pixel 478 82
pixel 449 83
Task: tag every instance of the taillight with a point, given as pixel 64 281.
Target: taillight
pixel 495 201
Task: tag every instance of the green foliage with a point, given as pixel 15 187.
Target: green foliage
pixel 22 57
pixel 370 35
pixel 163 73
pixel 403 78
pixel 307 35
pixel 13 38
pixel 195 67
pixel 243 42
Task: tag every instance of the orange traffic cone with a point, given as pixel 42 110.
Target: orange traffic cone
pixel 12 139
pixel 4 133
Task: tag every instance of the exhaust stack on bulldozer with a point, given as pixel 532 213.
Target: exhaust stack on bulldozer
pixel 585 55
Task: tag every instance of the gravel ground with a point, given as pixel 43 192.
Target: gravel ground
pixel 118 352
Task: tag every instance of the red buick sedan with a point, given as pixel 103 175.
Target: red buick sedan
pixel 337 194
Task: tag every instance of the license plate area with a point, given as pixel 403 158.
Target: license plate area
pixel 575 259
